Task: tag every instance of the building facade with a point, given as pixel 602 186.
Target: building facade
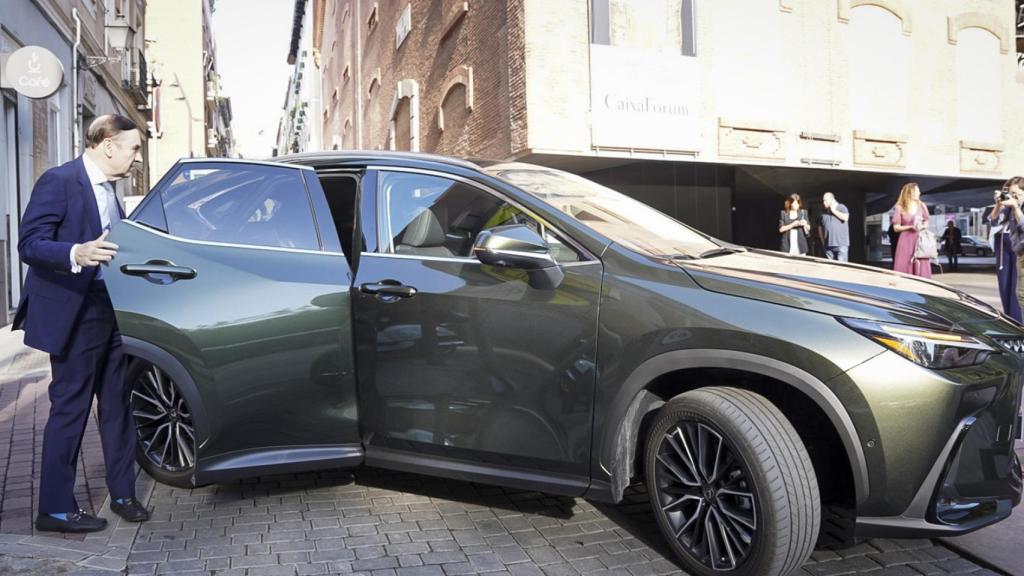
pixel 100 45
pixel 300 128
pixel 711 110
pixel 191 118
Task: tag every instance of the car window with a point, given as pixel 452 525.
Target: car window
pixel 433 216
pixel 240 204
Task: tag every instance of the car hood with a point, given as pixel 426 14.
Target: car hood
pixel 849 290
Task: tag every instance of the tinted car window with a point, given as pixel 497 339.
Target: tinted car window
pixel 434 216
pixel 240 204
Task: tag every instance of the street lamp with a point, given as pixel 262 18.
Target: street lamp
pixel 119 37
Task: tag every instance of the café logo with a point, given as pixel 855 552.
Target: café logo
pixel 34 72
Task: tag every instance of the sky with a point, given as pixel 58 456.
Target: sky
pixel 252 38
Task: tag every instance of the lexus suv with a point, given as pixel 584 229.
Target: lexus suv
pixel 518 325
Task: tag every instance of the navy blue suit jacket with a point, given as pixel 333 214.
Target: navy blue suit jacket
pixel 61 212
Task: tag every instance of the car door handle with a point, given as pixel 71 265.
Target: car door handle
pixel 154 267
pixel 386 288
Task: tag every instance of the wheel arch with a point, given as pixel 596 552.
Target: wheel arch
pixel 655 382
pixel 138 349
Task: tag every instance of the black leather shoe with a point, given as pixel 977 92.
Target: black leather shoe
pixel 131 510
pixel 76 522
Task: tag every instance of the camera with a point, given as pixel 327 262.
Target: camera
pixel 1004 195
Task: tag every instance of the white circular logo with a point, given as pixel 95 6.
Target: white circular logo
pixel 34 72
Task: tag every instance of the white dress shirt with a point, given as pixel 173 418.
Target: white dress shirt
pixel 106 201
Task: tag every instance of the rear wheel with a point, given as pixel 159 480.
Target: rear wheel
pixel 732 486
pixel 163 421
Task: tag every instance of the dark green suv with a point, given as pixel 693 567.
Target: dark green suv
pixel 519 325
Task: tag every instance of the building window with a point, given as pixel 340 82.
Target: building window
pixel 657 25
pixel 879 71
pixel 404 131
pixel 979 88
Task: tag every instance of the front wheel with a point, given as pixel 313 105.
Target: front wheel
pixel 732 486
pixel 163 421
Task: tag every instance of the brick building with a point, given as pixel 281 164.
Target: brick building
pixel 711 110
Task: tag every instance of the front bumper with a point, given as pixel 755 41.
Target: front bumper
pixel 975 479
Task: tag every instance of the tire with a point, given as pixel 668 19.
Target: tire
pixel 981 252
pixel 165 442
pixel 763 491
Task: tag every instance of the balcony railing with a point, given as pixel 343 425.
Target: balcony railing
pixel 135 82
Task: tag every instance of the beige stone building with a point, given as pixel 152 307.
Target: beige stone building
pixel 711 110
pixel 191 118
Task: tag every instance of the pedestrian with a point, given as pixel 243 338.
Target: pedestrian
pixel 951 244
pixel 65 311
pixel 794 226
pixel 834 229
pixel 910 220
pixel 1006 257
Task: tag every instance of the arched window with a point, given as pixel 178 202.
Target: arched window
pixel 755 84
pixel 979 88
pixel 404 131
pixel 879 71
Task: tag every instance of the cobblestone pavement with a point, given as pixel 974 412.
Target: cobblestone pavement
pixel 383 523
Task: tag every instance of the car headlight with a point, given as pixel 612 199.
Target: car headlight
pixel 924 346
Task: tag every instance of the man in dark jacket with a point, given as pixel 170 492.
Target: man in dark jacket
pixel 65 311
pixel 951 239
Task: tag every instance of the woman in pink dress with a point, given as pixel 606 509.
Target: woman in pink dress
pixel 911 216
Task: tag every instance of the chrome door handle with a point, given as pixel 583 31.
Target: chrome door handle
pixel 388 288
pixel 159 267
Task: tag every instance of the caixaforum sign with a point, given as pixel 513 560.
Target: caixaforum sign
pixel 33 71
pixel 643 100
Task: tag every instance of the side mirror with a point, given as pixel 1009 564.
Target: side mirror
pixel 518 246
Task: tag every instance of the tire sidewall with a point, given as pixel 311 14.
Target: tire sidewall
pixel 686 409
pixel 182 479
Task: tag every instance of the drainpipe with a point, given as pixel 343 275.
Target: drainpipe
pixel 74 83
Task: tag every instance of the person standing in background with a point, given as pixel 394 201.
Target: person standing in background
pixel 951 239
pixel 911 217
pixel 794 226
pixel 1006 259
pixel 834 229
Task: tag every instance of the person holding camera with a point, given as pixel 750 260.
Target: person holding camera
pixel 794 226
pixel 1007 219
pixel 910 220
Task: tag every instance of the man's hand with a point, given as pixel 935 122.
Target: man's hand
pixel 94 252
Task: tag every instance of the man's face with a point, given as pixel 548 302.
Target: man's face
pixel 121 152
pixel 828 199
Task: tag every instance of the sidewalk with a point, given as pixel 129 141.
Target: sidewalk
pixel 24 406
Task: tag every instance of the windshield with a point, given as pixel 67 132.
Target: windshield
pixel 614 215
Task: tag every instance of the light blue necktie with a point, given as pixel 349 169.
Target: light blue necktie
pixel 113 215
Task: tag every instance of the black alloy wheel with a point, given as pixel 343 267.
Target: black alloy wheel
pixel 705 495
pixel 163 421
pixel 732 486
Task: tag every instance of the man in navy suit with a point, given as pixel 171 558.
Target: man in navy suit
pixel 65 311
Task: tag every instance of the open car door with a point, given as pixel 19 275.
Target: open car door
pixel 232 295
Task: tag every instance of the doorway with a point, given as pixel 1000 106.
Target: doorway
pixel 10 279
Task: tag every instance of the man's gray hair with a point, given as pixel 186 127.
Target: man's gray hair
pixel 107 126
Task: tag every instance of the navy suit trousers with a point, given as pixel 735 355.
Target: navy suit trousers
pixel 92 366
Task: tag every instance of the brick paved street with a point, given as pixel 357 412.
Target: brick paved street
pixel 337 522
